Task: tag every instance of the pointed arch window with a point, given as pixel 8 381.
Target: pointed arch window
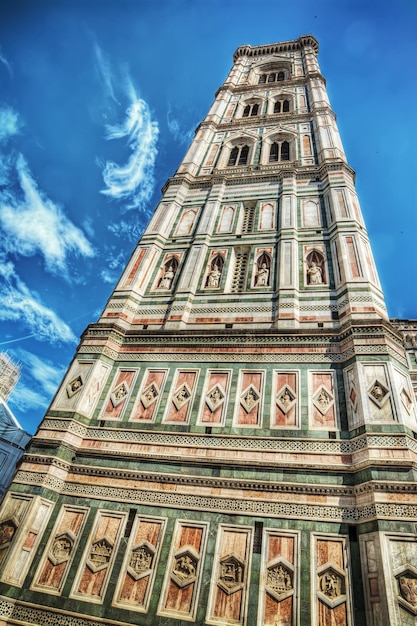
pixel 262 79
pixel 271 77
pixel 246 111
pixel 255 110
pixel 281 76
pixel 277 107
pixel 250 110
pixel 285 106
pixel 282 106
pixel 279 151
pixel 238 156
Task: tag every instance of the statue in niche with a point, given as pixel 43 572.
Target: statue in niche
pixel 167 278
pixel 262 276
pixel 314 273
pixel 214 277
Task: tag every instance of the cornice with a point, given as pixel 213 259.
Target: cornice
pixel 275 48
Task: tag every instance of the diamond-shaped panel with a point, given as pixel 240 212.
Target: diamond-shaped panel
pixel 184 571
pixel 406 400
pixel 215 397
pixel 181 396
pixel 378 393
pixel 74 386
pixel 141 558
pixel 231 574
pixel 286 398
pixel 119 393
pixel 249 398
pixel 323 400
pixel 353 396
pixel 149 395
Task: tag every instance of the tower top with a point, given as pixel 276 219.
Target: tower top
pixel 273 48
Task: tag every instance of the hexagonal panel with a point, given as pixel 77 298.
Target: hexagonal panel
pixel 100 554
pixel 323 400
pixel 181 396
pixel 61 548
pixel 74 386
pixel 7 531
pixel 149 395
pixel 215 397
pixel 184 571
pixel 249 398
pixel 378 393
pixel 141 559
pixel 231 573
pixel 331 585
pixel 119 393
pixel 407 588
pixel 280 579
pixel 286 398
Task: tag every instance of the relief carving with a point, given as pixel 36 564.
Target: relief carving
pixel 331 585
pixel 61 548
pixel 181 396
pixel 141 560
pixel 7 531
pixel 149 395
pixel 280 579
pixel 407 588
pixel 184 571
pixel 378 393
pixel 119 394
pixel 100 554
pixel 215 397
pixel 74 386
pixel 323 400
pixel 285 399
pixel 249 398
pixel 231 573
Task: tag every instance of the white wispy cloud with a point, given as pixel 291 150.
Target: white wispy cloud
pixel 183 136
pixel 132 182
pixel 32 223
pixel 46 373
pixel 19 304
pixel 10 123
pixel 5 63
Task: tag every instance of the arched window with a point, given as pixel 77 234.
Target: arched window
pixel 281 76
pixel 286 106
pixel 250 110
pixel 285 151
pixel 243 157
pixel 277 107
pixel 271 78
pixel 246 111
pixel 255 110
pixel 233 156
pixel 273 154
pixel 238 156
pixel 279 151
pixel 262 78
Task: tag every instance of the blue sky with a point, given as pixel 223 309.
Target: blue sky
pixel 98 102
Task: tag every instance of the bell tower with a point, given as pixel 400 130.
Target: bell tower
pixel 235 439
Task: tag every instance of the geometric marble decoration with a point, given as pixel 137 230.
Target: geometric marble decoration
pixel 331 585
pixel 140 562
pixel 215 397
pixel 181 396
pixel 232 573
pixel 280 579
pixel 407 588
pixel 406 400
pixel 286 398
pixel 353 397
pixel 249 398
pixel 378 393
pixel 149 395
pixel 119 393
pixel 184 571
pixel 323 400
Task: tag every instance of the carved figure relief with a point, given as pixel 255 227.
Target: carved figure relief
pixel 149 395
pixel 262 276
pixel 61 548
pixel 141 559
pixel 184 571
pixel 323 400
pixel 231 573
pixel 167 278
pixel 249 398
pixel 215 273
pixel 100 554
pixel 181 396
pixel 215 397
pixel 74 386
pixel 119 394
pixel 378 393
pixel 7 531
pixel 330 584
pixel 285 399
pixel 279 580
